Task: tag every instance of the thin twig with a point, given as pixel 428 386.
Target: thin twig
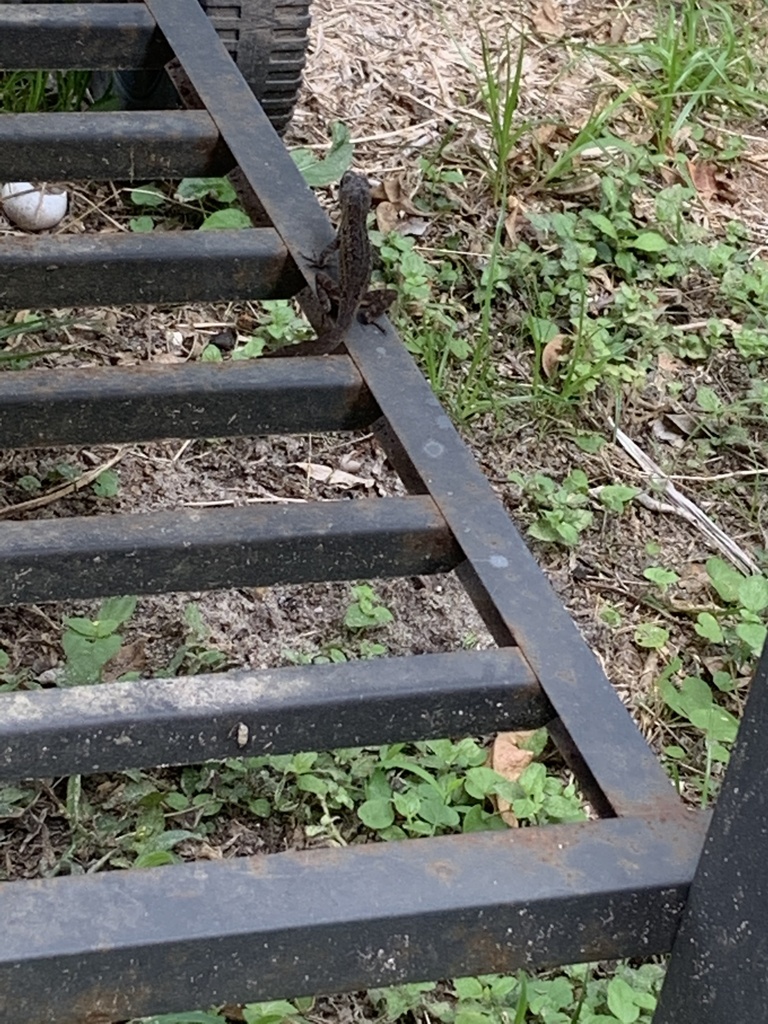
pixel 722 476
pixel 685 507
pixel 273 499
pixel 64 490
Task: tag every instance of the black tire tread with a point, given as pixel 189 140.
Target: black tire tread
pixel 269 45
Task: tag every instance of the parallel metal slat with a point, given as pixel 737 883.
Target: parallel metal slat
pixel 121 145
pixel 86 36
pixel 108 947
pixel 160 267
pixel 98 405
pixel 318 707
pixel 59 559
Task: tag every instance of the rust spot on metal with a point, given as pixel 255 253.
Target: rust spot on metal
pixel 258 865
pixel 101 1005
pixel 442 869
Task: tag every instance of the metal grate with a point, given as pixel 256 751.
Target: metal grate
pixel 118 944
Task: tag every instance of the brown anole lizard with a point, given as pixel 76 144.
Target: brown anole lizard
pixel 351 296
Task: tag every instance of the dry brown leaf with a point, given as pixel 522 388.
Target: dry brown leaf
pixel 619 28
pixel 548 20
pixel 545 133
pixel 601 275
pixel 416 226
pixel 130 658
pixel 586 183
pixel 668 365
pixel 649 673
pixel 204 851
pixel 231 1011
pixel 683 422
pixel 510 223
pixel 713 665
pixel 509 759
pixel 395 211
pixel 334 477
pixel 510 226
pixel 694 579
pixel 704 178
pixel 389 217
pixel 246 322
pixel 666 432
pixel 350 463
pixel 552 354
pixel 167 358
pixel 392 191
pixel 669 175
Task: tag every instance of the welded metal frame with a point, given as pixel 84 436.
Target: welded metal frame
pixel 120 944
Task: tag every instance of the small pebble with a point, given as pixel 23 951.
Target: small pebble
pixel 224 341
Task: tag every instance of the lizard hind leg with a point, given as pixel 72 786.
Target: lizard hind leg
pixel 327 293
pixel 375 304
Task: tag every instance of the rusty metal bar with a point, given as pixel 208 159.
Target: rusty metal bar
pixel 121 145
pixel 84 36
pixel 97 405
pixel 128 943
pixel 247 713
pixel 59 559
pixel 161 267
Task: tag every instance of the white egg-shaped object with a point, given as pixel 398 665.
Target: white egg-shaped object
pixel 33 209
